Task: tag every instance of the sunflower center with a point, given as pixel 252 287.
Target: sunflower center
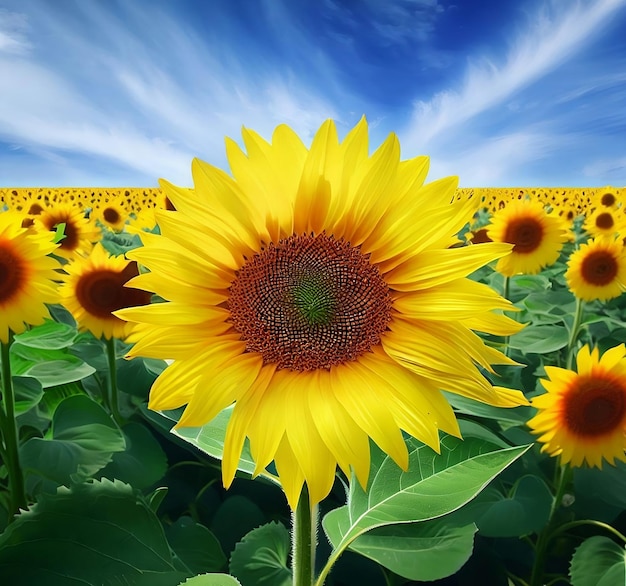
pixel 12 272
pixel 309 302
pixel 608 200
pixel 599 268
pixel 70 232
pixel 525 234
pixel 35 209
pixel 596 408
pixel 101 292
pixel 604 221
pixel 111 216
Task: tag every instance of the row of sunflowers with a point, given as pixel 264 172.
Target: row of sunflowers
pixel 435 375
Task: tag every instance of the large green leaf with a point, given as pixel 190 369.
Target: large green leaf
pixel 28 392
pixel 211 580
pixel 210 439
pixel 94 533
pixel 50 366
pixel 434 485
pixel 598 561
pixel 50 335
pixel 83 439
pixel 425 551
pixel 261 556
pixel 526 510
pixel 540 339
pixel 142 463
pixel 196 546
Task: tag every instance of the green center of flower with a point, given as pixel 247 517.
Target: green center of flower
pixel 309 302
pixel 314 299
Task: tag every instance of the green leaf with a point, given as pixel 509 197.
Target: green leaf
pixel 471 407
pixel 598 561
pixel 426 551
pixel 84 437
pixel 142 463
pixel 211 580
pixel 51 335
pixel 196 546
pixel 525 511
pixel 261 556
pixel 28 392
pixel 94 533
pixel 210 439
pixel 234 518
pixel 540 339
pixel 51 367
pixel 434 485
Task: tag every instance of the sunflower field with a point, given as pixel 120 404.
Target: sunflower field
pixel 314 368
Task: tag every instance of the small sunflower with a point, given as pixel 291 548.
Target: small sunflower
pixel 27 276
pixel 597 270
pixel 582 417
pixel 79 232
pixel 605 221
pixel 111 214
pixel 94 288
pixel 537 237
pixel 318 290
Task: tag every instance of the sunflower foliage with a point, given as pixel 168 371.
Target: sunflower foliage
pixel 107 490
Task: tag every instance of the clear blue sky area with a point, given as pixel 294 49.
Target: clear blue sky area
pixel 501 93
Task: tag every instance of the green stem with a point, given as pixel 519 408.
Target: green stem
pixel 10 435
pixel 592 522
pixel 573 335
pixel 112 381
pixel 304 530
pixel 541 549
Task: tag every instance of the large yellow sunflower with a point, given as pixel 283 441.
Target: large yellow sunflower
pixel 27 276
pixel 94 288
pixel 597 270
pixel 582 417
pixel 605 221
pixel 537 236
pixel 318 291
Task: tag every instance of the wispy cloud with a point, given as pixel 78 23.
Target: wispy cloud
pixel 149 107
pixel 552 36
pixel 13 28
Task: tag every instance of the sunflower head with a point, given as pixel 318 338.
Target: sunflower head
pixel 27 275
pixel 79 233
pixel 605 221
pixel 537 236
pixel 94 287
pixel 597 270
pixel 316 288
pixel 582 417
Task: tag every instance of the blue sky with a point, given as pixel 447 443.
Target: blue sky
pixel 501 93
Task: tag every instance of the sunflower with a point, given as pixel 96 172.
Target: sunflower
pixel 605 221
pixel 537 237
pixel 317 290
pixel 582 417
pixel 79 232
pixel 597 270
pixel 94 288
pixel 111 214
pixel 27 276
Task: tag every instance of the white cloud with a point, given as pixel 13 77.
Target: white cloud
pixel 144 105
pixel 13 28
pixel 552 37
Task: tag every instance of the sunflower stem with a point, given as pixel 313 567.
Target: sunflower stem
pixel 112 381
pixel 573 335
pixel 546 534
pixel 11 436
pixel 304 531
